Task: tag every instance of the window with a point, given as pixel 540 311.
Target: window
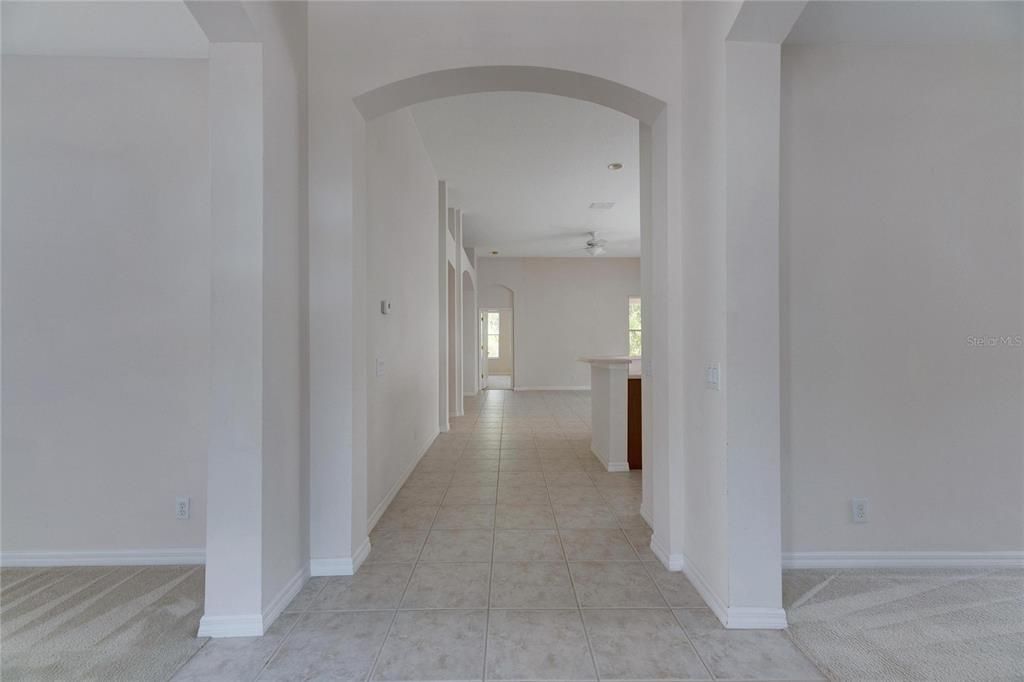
pixel 635 345
pixel 493 335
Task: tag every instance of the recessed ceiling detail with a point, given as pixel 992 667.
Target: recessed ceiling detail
pixel 525 169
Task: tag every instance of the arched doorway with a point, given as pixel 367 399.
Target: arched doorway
pixel 498 305
pixel 339 528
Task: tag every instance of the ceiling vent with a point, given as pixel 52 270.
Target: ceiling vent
pixel 602 205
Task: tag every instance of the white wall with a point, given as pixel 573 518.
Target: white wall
pixel 564 308
pixel 704 496
pixel 902 237
pixel 402 260
pixel 282 28
pixel 106 302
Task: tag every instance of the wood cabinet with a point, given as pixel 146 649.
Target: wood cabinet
pixel 634 427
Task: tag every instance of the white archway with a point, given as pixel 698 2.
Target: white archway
pixel 332 519
pixel 502 297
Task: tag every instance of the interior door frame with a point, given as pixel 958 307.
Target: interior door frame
pixel 485 365
pixel 482 312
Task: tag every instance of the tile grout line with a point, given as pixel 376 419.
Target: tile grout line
pixel 490 575
pixel 288 634
pixel 405 590
pixel 576 596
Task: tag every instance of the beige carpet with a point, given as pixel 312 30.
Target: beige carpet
pixel 98 623
pixel 909 624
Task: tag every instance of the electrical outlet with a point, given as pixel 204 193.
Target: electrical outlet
pixel 859 510
pixel 380 367
pixel 182 507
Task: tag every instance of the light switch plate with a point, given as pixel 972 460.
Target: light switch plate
pixel 712 377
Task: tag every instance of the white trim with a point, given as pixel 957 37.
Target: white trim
pixel 231 626
pixel 733 618
pixel 340 565
pixel 278 604
pixel 383 506
pixel 756 618
pixel 710 597
pixel 612 467
pixel 551 388
pixel 645 514
pixel 107 557
pixel 900 559
pixel 673 562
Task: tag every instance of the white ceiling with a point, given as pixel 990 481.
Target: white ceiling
pixel 525 167
pixel 920 22
pixel 102 29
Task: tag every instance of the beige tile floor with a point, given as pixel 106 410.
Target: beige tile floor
pixel 508 555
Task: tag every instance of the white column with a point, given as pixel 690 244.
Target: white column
pixel 663 363
pixel 337 344
pixel 235 459
pixel 442 347
pixel 752 378
pixel 459 368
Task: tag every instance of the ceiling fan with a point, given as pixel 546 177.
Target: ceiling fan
pixel 595 246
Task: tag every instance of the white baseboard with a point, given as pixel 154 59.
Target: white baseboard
pixel 673 562
pixel 117 557
pixel 254 625
pixel 901 559
pixel 752 618
pixel 340 565
pixel 612 467
pixel 733 618
pixel 703 587
pixel 646 515
pixel 382 507
pixel 284 597
pixel 231 626
pixel 552 388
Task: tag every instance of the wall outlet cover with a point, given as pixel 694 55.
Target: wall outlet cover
pixel 182 508
pixel 859 510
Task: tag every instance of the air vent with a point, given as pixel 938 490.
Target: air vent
pixel 602 205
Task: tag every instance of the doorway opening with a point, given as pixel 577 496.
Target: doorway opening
pixel 498 337
pixel 656 504
pixel 498 347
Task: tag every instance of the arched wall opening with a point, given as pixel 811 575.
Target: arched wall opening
pixel 338 533
pixel 660 507
pixel 501 299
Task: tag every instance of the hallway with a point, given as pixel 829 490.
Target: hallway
pixel 510 553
